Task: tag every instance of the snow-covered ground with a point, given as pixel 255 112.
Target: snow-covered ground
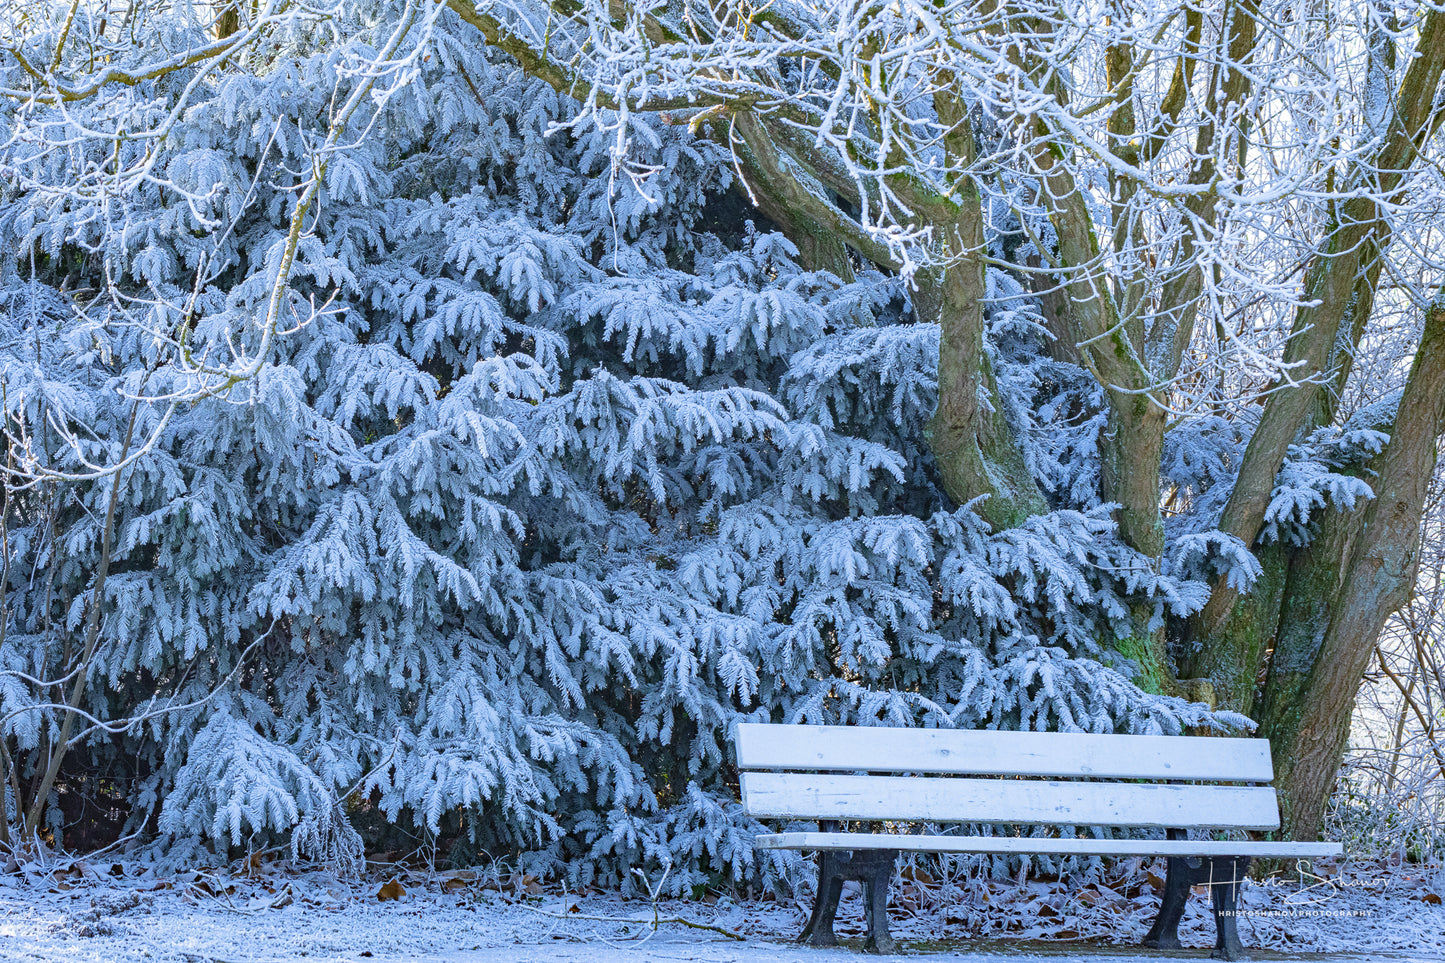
pixel 86 911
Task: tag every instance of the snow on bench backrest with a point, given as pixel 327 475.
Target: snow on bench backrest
pixel 1075 801
pixel 788 795
pixel 989 753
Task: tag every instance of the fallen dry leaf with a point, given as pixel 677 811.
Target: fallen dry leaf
pixel 561 907
pixel 917 875
pixel 206 888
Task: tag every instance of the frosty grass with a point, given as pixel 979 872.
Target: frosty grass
pixel 85 911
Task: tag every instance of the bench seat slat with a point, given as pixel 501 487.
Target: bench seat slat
pixel 921 798
pixel 992 753
pixel 1062 847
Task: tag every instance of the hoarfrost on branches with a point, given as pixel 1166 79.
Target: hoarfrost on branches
pixel 489 468
pixel 551 488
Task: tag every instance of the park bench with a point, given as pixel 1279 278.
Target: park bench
pixel 1074 781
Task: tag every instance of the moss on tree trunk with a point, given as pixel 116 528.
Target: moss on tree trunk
pixel 1360 571
pixel 1247 630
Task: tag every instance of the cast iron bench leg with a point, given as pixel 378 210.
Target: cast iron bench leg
pixel 1164 934
pixel 1224 875
pixel 874 869
pixel 831 868
pixel 878 876
pixel 1228 873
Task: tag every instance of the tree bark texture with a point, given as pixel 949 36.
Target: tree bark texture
pixel 1315 616
pixel 1311 692
pixel 1350 249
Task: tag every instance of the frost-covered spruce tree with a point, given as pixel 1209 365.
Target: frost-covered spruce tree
pixel 569 468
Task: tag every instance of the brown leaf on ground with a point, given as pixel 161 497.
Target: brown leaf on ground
pixel 207 888
pixel 567 904
pixel 917 875
pixel 391 889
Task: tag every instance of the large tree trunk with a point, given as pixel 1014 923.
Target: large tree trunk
pixel 975 452
pixel 1314 678
pixel 1244 634
pixel 1324 623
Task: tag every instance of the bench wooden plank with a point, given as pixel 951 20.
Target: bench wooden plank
pixel 994 753
pixel 920 798
pixel 1060 847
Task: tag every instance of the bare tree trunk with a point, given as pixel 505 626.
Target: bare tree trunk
pixel 1310 694
pixel 228 21
pixel 1247 630
pixel 92 638
pixel 1348 254
pixel 1335 599
pixel 973 447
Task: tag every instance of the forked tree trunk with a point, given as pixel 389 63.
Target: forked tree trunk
pixel 975 452
pixel 1316 673
pixel 972 445
pixel 1337 594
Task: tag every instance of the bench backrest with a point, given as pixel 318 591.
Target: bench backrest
pixel 1079 786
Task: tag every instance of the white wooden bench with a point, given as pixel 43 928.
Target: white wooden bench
pixel 1170 783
